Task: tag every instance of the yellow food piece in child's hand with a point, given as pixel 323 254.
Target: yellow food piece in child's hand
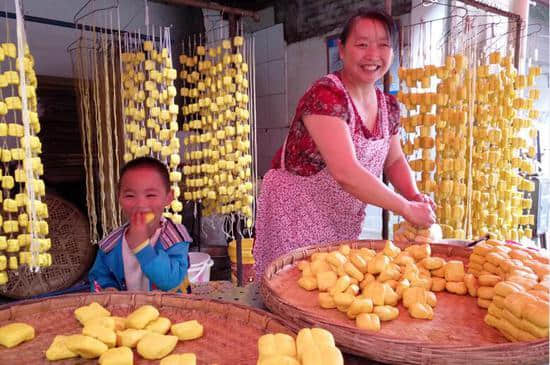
pixel 189 330
pixel 13 334
pixel 179 359
pixel 149 216
pixel 117 356
pixel 58 350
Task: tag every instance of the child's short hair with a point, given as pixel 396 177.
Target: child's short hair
pixel 148 162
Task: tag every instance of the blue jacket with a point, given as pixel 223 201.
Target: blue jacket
pixel 165 264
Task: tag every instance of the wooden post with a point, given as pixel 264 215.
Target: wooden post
pixel 387 82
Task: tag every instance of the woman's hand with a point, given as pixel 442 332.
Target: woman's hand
pixel 419 214
pixel 424 198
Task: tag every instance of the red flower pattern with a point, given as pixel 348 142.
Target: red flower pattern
pixel 323 98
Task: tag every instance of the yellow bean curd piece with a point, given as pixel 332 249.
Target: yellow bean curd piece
pixel 438 284
pixel 326 280
pixel 368 321
pixel 85 346
pixel 160 325
pixel 326 301
pixel 456 287
pixel 130 337
pixel 58 350
pixel 189 330
pixel 489 280
pixel 13 334
pixel 154 346
pixel 107 322
pixel 141 317
pixel 358 306
pixel 149 216
pixel 180 359
pixel 105 335
pixel 454 271
pixel 386 312
pixel 308 337
pixel 278 344
pixel 87 312
pixel 421 311
pixel 432 263
pixel 278 360
pixel 308 283
pixel 322 355
pixel 117 356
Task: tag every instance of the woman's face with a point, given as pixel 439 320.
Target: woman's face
pixel 367 53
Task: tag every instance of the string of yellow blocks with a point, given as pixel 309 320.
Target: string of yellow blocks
pixel 218 160
pixel 483 112
pixel 16 218
pixel 150 113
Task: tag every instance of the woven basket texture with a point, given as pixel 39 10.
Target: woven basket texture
pixel 72 254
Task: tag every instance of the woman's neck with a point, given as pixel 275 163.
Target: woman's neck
pixel 358 91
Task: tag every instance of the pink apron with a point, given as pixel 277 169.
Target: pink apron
pixel 296 211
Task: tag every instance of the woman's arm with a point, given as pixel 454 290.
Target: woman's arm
pixel 332 138
pixel 398 171
pixel 400 175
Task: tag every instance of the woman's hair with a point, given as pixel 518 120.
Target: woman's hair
pixel 366 13
pixel 147 162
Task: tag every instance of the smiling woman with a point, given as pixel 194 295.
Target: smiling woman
pixel 344 134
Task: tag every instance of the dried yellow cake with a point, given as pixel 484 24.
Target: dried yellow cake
pixel 87 312
pixel 15 333
pixel 154 346
pixel 188 330
pixel 179 359
pixel 117 356
pixel 141 317
pixel 85 346
pixel 58 350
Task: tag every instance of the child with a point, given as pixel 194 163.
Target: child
pixel 148 252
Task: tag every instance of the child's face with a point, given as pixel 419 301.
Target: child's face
pixel 142 189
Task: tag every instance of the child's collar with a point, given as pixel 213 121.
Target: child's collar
pixel 170 234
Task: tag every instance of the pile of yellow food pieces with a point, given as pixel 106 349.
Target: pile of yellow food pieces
pixel 312 346
pixel 406 232
pixel 512 282
pixel 112 338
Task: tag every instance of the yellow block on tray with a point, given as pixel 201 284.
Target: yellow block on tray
pixel 13 334
pixel 87 312
pixel 179 359
pixel 58 350
pixel 188 330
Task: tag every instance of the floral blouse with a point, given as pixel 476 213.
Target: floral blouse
pixel 323 98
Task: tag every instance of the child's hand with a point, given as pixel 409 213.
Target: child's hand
pixel 138 230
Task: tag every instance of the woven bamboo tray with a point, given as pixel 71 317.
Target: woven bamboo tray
pixel 231 331
pixel 456 335
pixel 72 254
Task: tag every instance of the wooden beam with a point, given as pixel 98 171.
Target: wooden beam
pixel 213 6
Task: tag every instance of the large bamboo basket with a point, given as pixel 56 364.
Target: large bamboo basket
pixel 231 331
pixel 456 335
